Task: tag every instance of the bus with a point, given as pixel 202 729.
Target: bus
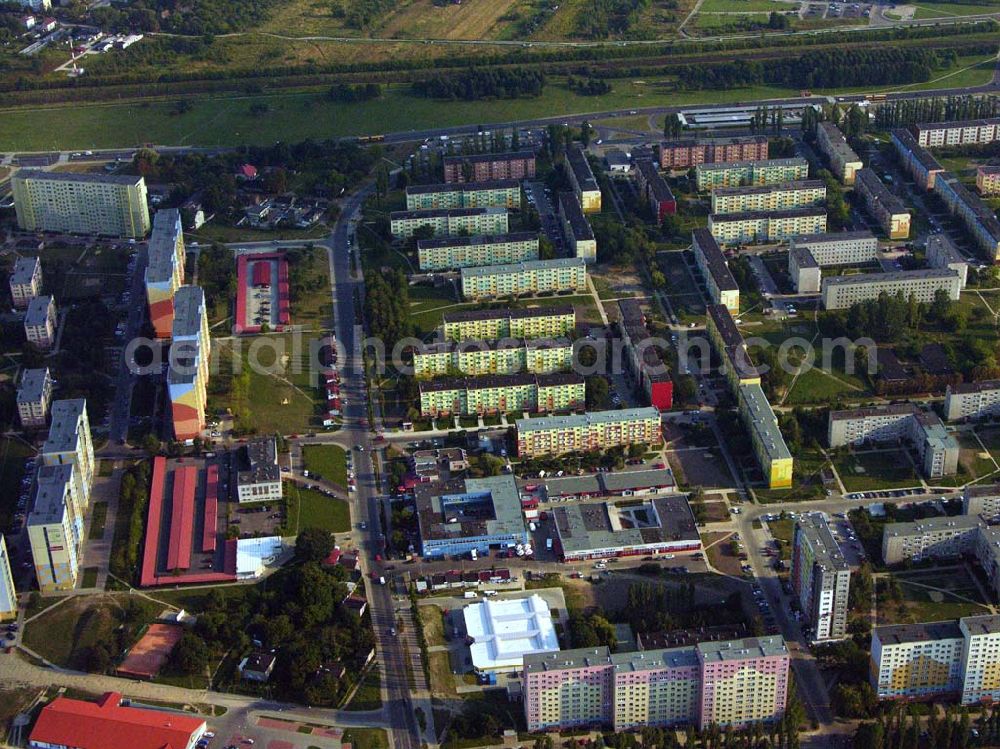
pixel 371 138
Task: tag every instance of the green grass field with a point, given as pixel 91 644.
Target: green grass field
pixel 328 461
pixel 936 10
pixel 888 469
pixel 311 509
pixel 745 6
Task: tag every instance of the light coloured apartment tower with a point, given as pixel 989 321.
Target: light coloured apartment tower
pixel 504 193
pixel 780 197
pixel 841 292
pixel 743 681
pixel 766 226
pixel 69 443
pixel 8 593
pixel 34 395
pixel 931 538
pixel 568 689
pixel 917 661
pixel 488 325
pixel 892 216
pixel 449 222
pixel 981 499
pixel 597 430
pixel 165 270
pixel 40 322
pixel 187 376
pixel 106 205
pixel 531 277
pixel 972 400
pixel 844 163
pixel 55 533
pixel 25 281
pixel 581 176
pixel 820 577
pixel 722 287
pixel 655 688
pixel 942 253
pixel 466 252
pixel 980 659
pixel 506 356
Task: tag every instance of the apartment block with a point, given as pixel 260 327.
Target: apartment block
pixel 576 228
pixel 972 400
pixel 684 154
pixel 597 430
pixel 40 322
pixel 489 167
pixel 743 681
pixel 8 593
pixel 988 180
pixel 942 254
pixel 755 226
pixel 917 661
pixel 769 198
pixel 981 499
pixel 977 218
pixel 70 443
pixel 532 322
pixel 722 287
pixel 568 689
pixel 531 277
pixel 769 448
pixel 804 271
pixel 739 173
pixel 581 176
pixel 447 253
pixel 642 360
pixel 727 342
pixel 957 133
pixel 654 189
pixel 504 193
pixel 25 281
pixel 988 555
pixel 103 204
pixel 844 163
pixel 936 449
pixel 840 292
pixel 655 688
pixel 34 394
pixel 888 210
pixel 472 358
pixel 980 665
pixel 931 538
pixel 447 222
pixel 839 248
pixel 55 531
pixel 821 577
pixel 917 161
pixel 498 394
pixel 165 270
pixel 187 375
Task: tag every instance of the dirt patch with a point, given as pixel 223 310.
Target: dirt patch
pixel 701 467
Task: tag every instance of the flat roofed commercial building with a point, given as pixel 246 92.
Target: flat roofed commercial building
pixel 988 180
pixel 942 254
pixel 258 477
pixel 459 515
pixel 737 173
pixel 840 292
pixel 581 176
pixel 506 356
pixel 576 228
pixel 684 154
pixel 597 430
pixel 505 632
pixel 503 193
pixel 654 189
pixel 978 219
pixel 34 394
pixel 449 222
pixel 55 530
pixel 40 322
pixel 917 661
pixel 187 376
pixel 956 133
pixel 756 226
pixel 165 270
pixel 496 394
pixel 530 277
pixel 8 593
pixel 107 205
pixel 768 198
pixel 69 442
pixel 888 210
pixel 917 161
pixel 972 400
pixel 821 577
pixel 465 252
pixel 25 281
pixel 844 163
pixel 531 322
pixel 517 165
pixel 722 287
pixel 930 538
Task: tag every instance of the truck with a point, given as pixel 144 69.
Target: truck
pixel 470 594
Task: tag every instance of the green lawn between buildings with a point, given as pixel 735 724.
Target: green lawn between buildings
pixel 328 461
pixel 308 508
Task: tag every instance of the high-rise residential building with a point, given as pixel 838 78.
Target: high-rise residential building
pixel 722 287
pixel 956 133
pixel 917 161
pixel 888 210
pixel 8 593
pixel 466 252
pixel 489 167
pixel 187 376
pixel 980 661
pixel 769 198
pixel 107 205
pixel 530 277
pixel 978 218
pixel 840 292
pixel 988 180
pixel 40 322
pixel 654 189
pixel 506 356
pixel 55 530
pixel 504 193
pixel 69 443
pixel 655 688
pixel 25 281
pixel 737 173
pixel 568 689
pixel 844 163
pixel 445 222
pixel 972 400
pixel 499 394
pixel 531 322
pixel 581 177
pixel 684 154
pixel 766 226
pixel 576 228
pixel 34 394
pixel 820 577
pixel 917 661
pixel 597 430
pixel 743 681
pixel 165 270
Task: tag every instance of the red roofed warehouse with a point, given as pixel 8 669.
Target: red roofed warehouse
pixel 105 724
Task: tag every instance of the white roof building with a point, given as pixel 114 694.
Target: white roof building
pixel 504 631
pixel 252 554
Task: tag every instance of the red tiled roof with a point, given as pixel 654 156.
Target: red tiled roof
pixel 106 725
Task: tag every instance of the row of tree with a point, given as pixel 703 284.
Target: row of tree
pixel 899 113
pixel 483 83
pixel 387 301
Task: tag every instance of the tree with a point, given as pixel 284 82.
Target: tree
pixel 313 545
pixel 672 126
pixel 585 133
pixel 190 655
pixel 598 393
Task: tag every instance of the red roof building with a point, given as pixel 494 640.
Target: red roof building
pixel 105 724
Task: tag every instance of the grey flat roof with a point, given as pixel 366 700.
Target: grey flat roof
pixel 987 624
pixel 735 346
pixel 838 142
pixel 581 168
pixel 524 267
pixel 504 515
pixel 62 432
pixel 861 279
pixel 803 257
pixel 583 526
pixel 162 241
pixel 955 124
pixel 714 259
pixel 38 310
pixel 645 660
pixel 794 185
pixel 826 551
pixel 661 190
pixel 720 218
pixel 497 381
pixel 982 490
pixel 566 659
pixel 741 650
pixel 188 303
pixel 905 139
pixel 445 347
pixel 484 157
pixel 443 212
pixel 929 525
pixel 515 314
pixel 868 179
pixel 972 201
pixel 631 480
pixel 569 208
pixel 897 634
pixel 892 409
pixel 764 422
pixel 758 164
pixel 591 417
pixel 477 240
pixel 497 184
pixel 98 178
pixel 686 143
pixel 258 462
pixel 942 243
pixel 32 385
pixel 50 489
pixel 976 387
pixel 24 270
